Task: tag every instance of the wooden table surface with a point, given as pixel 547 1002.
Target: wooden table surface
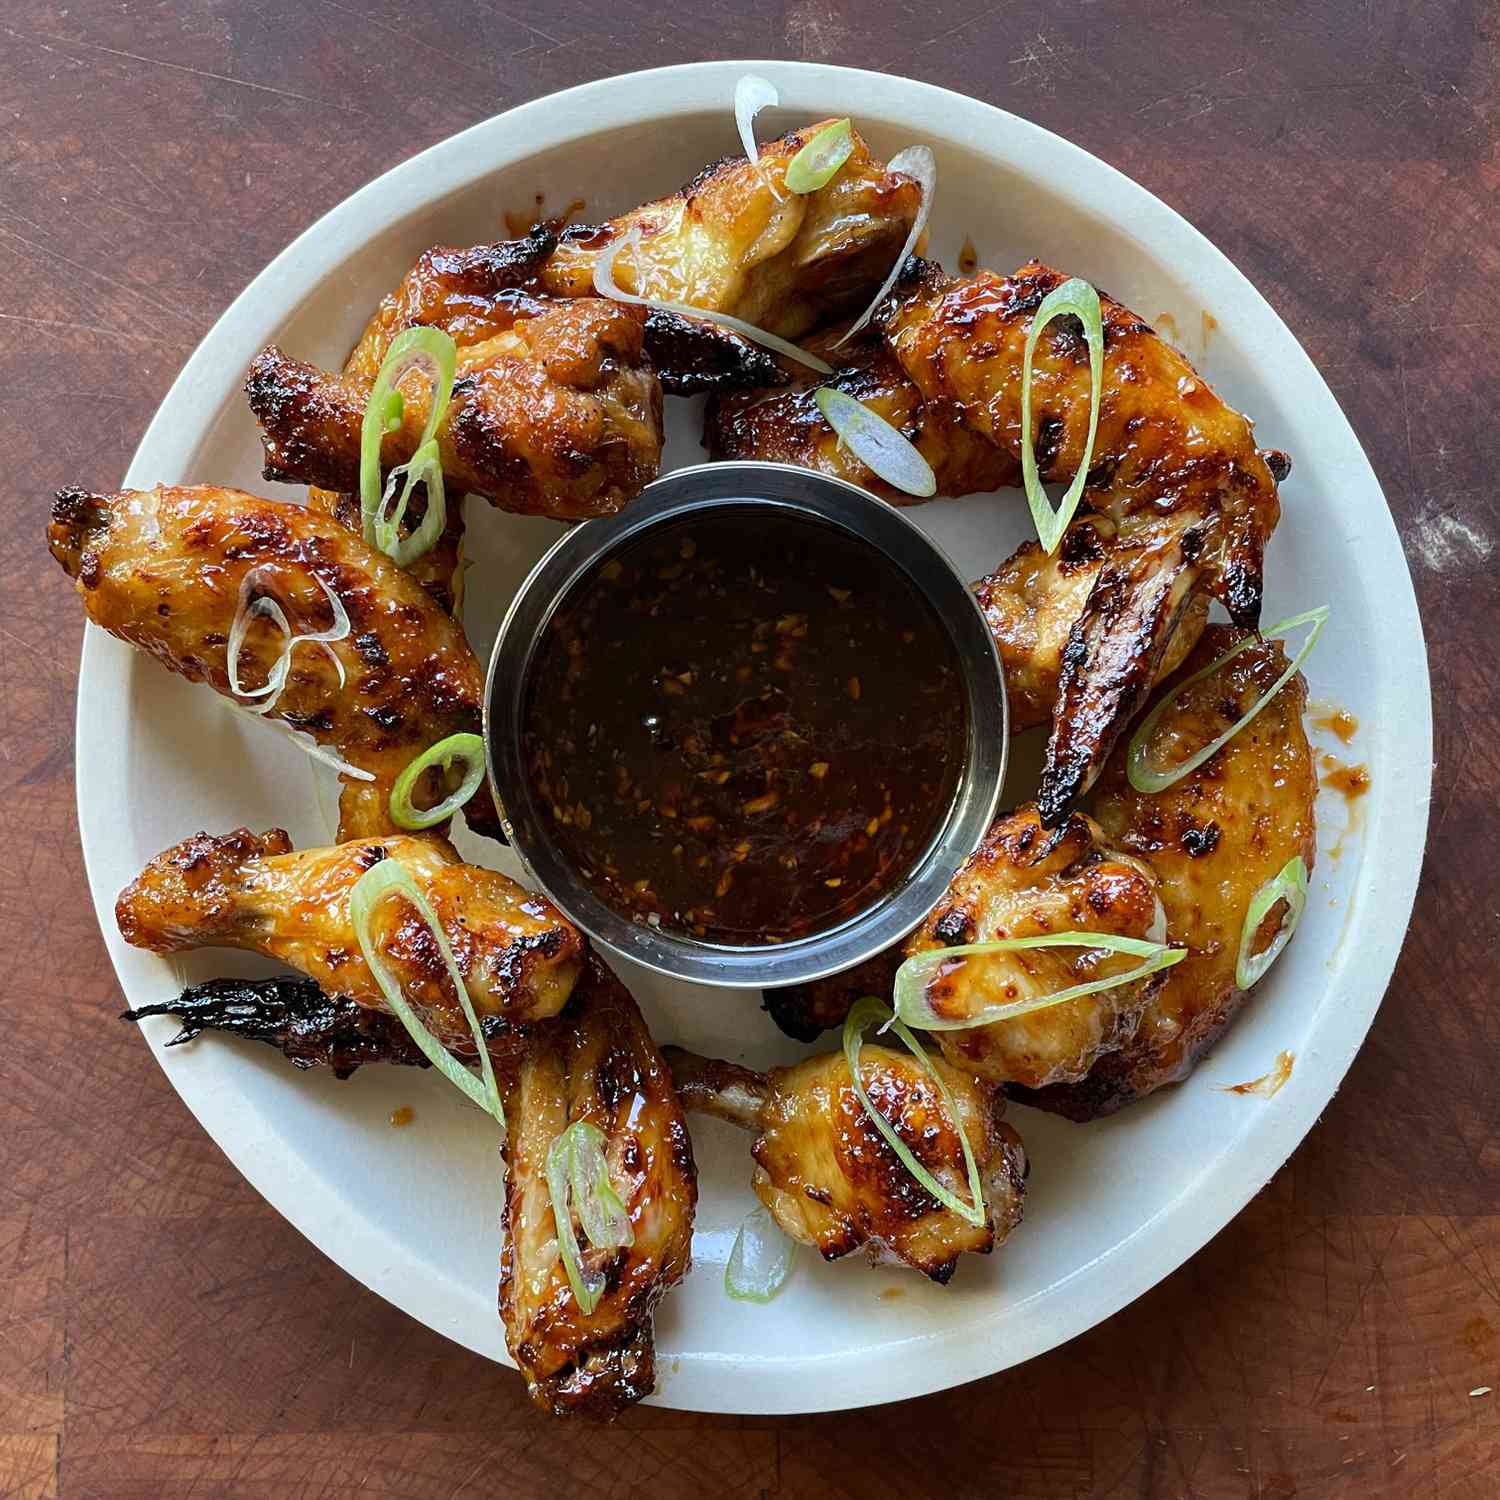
pixel 163 1333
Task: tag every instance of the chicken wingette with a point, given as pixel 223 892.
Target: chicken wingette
pixel 164 570
pixel 518 956
pixel 1173 466
pixel 831 1181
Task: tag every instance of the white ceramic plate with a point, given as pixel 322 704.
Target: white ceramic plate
pixel 1113 1206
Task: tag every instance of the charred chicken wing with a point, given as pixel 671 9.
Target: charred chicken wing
pixel 831 1181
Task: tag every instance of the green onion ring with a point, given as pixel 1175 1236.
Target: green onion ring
pixel 819 160
pixel 600 1209
pixel 391 877
pixel 468 748
pixel 383 413
pixel 1145 777
pixel 1290 885
pixel 1079 298
pixel 563 1173
pixel 864 1015
pixel 916 972
pixel 761 1259
pixel 885 450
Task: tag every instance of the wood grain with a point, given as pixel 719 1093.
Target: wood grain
pixel 164 1334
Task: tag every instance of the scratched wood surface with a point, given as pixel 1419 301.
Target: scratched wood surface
pixel 164 1334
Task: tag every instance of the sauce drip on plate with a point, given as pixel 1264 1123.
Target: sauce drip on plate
pixel 744 729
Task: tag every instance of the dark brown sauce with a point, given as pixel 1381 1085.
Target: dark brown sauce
pixel 1352 781
pixel 745 729
pixel 518 223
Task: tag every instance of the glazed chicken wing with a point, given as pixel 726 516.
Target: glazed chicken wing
pixel 598 1064
pixel 1213 839
pixel 557 416
pixel 735 241
pixel 1173 466
pixel 830 1180
pixel 1023 881
pixel 788 427
pixel 163 569
pixel 518 956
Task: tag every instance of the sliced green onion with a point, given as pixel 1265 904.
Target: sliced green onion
pixel 820 158
pixel 915 974
pixel 884 449
pixel 1145 776
pixel 468 748
pixel 1079 298
pixel 761 1259
pixel 1289 886
pixel 918 163
pixel 864 1015
pixel 751 95
pixel 303 741
pixel 391 877
pixel 576 1163
pixel 606 286
pixel 380 513
pixel 248 609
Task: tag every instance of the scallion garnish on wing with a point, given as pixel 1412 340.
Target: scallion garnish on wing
pixel 1289 885
pixel 303 741
pixel 252 605
pixel 606 286
pixel 751 95
pixel 883 449
pixel 381 510
pixel 862 1016
pixel 918 163
pixel 391 878
pixel 818 161
pixel 467 748
pixel 914 1006
pixel 1146 775
pixel 761 1259
pixel 578 1180
pixel 1079 298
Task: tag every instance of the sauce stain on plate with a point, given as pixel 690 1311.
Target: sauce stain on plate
pixel 1268 1085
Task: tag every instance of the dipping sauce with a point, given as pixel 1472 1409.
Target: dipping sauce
pixel 744 729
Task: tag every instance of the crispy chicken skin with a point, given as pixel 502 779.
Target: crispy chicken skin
pixel 162 569
pixel 519 957
pixel 1032 603
pixel 1023 881
pixel 558 416
pixel 830 1180
pixel 597 1063
pixel 788 427
pixel 726 242
pixel 1213 839
pixel 1173 466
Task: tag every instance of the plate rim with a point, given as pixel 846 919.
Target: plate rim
pixel 1206 1203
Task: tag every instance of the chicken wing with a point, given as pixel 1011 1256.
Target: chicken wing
pixel 599 1064
pixel 163 570
pixel 518 956
pixel 830 1180
pixel 735 241
pixel 1022 881
pixel 557 416
pixel 788 427
pixel 1213 839
pixel 1173 466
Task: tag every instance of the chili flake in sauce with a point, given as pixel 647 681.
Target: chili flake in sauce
pixel 744 729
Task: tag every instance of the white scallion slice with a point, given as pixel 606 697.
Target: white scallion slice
pixel 819 160
pixel 251 606
pixel 883 449
pixel 1147 776
pixel 916 162
pixel 390 877
pixel 595 1200
pixel 862 1016
pixel 468 748
pixel 1079 298
pixel 751 95
pixel 916 973
pixel 562 1182
pixel 381 512
pixel 761 1259
pixel 1290 885
pixel 606 286
pixel 302 740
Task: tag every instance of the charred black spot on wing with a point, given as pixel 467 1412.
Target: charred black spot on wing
pixel 692 356
pixel 292 1014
